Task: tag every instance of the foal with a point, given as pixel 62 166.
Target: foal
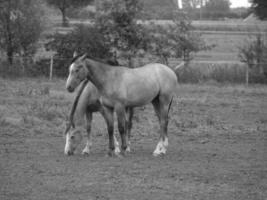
pixel 123 88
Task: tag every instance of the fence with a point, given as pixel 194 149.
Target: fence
pixel 193 72
pixel 30 66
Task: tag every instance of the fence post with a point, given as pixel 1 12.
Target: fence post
pixel 22 63
pixel 247 74
pixel 51 67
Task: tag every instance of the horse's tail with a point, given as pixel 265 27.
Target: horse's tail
pixel 181 65
pixel 170 106
pixel 70 122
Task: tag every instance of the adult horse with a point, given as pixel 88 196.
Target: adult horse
pixel 123 88
pixel 87 102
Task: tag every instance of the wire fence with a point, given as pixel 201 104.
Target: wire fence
pixel 192 72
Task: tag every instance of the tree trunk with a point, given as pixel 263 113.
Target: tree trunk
pixel 10 55
pixel 64 18
pixel 62 8
pixel 130 62
pixel 9 49
pixel 200 9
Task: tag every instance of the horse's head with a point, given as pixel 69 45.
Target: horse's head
pixel 77 72
pixel 73 139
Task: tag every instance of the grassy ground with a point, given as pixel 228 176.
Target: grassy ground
pixel 217 147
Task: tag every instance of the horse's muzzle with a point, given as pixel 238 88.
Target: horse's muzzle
pixel 70 89
pixel 69 153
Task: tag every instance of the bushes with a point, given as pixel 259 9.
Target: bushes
pixel 220 73
pixel 253 53
pixel 31 69
pixel 83 39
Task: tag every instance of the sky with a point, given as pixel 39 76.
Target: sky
pixel 239 3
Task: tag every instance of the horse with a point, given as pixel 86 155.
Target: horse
pixel 87 102
pixel 122 88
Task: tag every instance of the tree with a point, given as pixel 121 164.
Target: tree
pixel 83 39
pixel 215 9
pixel 176 40
pixel 20 27
pixel 118 22
pixel 64 5
pixel 158 9
pixel 259 7
pixel 193 8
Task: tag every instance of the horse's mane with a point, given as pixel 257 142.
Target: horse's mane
pixel 112 62
pixel 70 122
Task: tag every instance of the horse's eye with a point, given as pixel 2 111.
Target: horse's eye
pixel 76 70
pixel 72 137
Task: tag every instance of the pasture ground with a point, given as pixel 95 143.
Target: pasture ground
pixel 217 150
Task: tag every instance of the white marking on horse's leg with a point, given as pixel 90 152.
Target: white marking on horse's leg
pixel 161 147
pixel 67 144
pixel 117 145
pixel 128 149
pixel 87 148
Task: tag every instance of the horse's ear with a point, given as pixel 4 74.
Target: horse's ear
pixel 83 56
pixel 75 54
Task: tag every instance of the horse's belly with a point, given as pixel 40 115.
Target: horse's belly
pixel 136 103
pixel 141 95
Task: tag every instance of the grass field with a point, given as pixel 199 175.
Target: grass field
pixel 225 49
pixel 217 150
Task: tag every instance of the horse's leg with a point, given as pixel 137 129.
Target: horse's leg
pixel 121 115
pixel 117 146
pixel 108 116
pixel 156 106
pixel 89 117
pixel 129 125
pixel 163 109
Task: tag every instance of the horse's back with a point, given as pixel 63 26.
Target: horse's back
pixel 166 77
pixel 139 86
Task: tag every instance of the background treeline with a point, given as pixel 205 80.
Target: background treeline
pixel 113 31
pixel 158 9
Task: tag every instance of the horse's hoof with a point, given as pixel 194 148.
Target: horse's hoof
pixel 69 153
pixel 117 150
pixel 128 149
pixel 114 154
pixel 125 152
pixel 86 152
pixel 161 154
pixel 110 153
pixel 119 155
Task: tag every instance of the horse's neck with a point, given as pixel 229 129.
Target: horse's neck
pixel 98 73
